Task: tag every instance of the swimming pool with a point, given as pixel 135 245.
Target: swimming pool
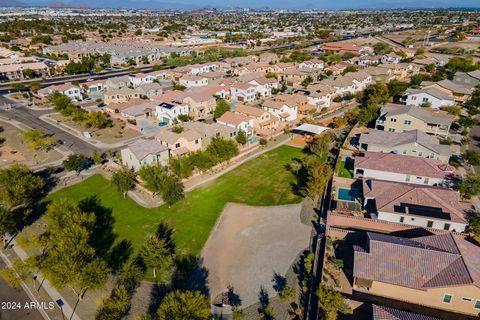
pixel 347 194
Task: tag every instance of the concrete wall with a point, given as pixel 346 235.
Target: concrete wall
pixel 410 150
pixel 399 177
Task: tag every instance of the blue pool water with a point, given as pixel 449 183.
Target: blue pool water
pixel 347 194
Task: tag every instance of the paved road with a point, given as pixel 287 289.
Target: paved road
pixel 8 294
pixel 30 118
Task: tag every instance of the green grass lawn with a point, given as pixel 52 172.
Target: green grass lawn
pixel 346 169
pixel 262 181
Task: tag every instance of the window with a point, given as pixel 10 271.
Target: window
pixel 447 298
pixel 467 299
pixel 407 122
pixel 393 120
pixel 426 180
pixel 429 224
pixel 402 219
pixel 446 226
pixel 177 145
pixel 407 178
pixel 425 100
pixel 477 304
pixel 420 154
pixel 196 141
pixel 391 129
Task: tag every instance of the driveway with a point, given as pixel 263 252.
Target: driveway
pixel 249 245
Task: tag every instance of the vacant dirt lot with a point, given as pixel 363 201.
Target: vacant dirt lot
pixel 13 150
pixel 249 245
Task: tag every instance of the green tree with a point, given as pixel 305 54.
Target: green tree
pixel 18 86
pixel 471 157
pixel 97 120
pixel 317 175
pixel 181 166
pixel 115 307
pixel 138 32
pixel 470 186
pixel 376 93
pixel 156 255
pixel 222 107
pixel 124 180
pixel 37 140
pixel 97 157
pixel 467 121
pixel 222 149
pixel 368 113
pixel 7 220
pixel 68 258
pixel 332 303
pixel 183 305
pixel 396 89
pixel 34 87
pixel 173 190
pixel 75 162
pixel 153 177
pixel 474 224
pixel 382 48
pixel 321 144
pixel 18 185
pixel 241 137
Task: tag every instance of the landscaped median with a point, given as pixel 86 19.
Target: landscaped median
pixel 263 181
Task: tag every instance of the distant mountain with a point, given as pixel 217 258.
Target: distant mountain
pixel 12 3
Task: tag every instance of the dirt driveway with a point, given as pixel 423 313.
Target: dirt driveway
pixel 249 245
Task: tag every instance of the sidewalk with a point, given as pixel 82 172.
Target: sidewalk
pixel 52 292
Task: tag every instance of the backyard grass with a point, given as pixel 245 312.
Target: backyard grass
pixel 262 181
pixel 346 169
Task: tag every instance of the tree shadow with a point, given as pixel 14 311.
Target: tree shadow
pixel 263 298
pixel 119 254
pixel 190 274
pixel 233 297
pixel 158 292
pixel 279 282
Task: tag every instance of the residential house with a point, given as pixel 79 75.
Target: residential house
pixel 281 109
pixel 212 77
pixel 368 60
pixel 344 47
pixel 119 95
pixel 93 87
pixel 436 98
pixel 416 205
pixel 68 89
pixel 264 122
pixel 293 77
pixel 180 143
pixel 311 64
pixel 144 152
pixel 139 111
pixel 460 93
pixel 381 73
pixel 208 131
pixel 191 81
pixel 162 74
pixel 343 85
pixel 149 89
pixel 391 58
pixel 411 143
pixel 401 168
pixel 320 95
pixel 140 78
pixel 118 82
pixel 16 71
pixel 201 104
pixel 468 79
pixel 168 111
pixel 243 92
pixel 400 118
pixel 436 271
pixel 238 121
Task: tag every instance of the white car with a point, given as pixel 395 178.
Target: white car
pixel 90 79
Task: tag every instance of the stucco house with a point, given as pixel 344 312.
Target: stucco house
pixel 144 152
pixel 468 79
pixel 283 110
pixel 400 168
pixel 263 121
pixel 416 205
pixel 436 271
pixel 400 118
pixel 433 96
pixel 68 89
pixel 191 81
pixel 460 93
pixel 119 95
pixel 140 78
pixel 243 92
pixel 411 143
pixel 179 143
pixel 238 121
